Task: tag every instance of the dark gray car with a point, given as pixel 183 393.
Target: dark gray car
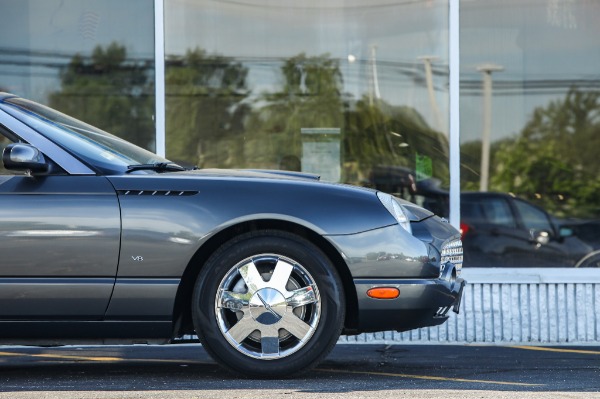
pixel 102 241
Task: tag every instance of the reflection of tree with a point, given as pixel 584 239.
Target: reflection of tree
pixel 555 158
pixel 382 134
pixel 372 134
pixel 205 109
pixel 212 122
pixel 470 162
pixel 310 96
pixel 111 92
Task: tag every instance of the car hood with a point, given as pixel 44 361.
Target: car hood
pixel 185 181
pixel 222 196
pixel 264 173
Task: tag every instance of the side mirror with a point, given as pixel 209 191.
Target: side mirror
pixel 540 237
pixel 566 232
pixel 25 158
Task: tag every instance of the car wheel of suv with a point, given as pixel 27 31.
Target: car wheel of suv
pixel 590 260
pixel 268 304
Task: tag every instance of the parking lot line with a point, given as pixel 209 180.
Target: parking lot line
pixel 64 357
pixel 560 350
pixel 431 378
pixel 101 358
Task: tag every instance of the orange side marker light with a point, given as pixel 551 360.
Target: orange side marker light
pixel 384 293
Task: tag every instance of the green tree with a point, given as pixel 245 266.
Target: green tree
pixel 309 96
pixel 554 159
pixel 374 133
pixel 380 134
pixel 206 109
pixel 109 91
pixel 470 162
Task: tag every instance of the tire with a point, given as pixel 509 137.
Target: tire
pixel 268 304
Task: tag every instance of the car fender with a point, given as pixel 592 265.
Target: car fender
pixel 166 221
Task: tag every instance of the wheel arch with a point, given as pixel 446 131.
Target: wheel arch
pixel 182 308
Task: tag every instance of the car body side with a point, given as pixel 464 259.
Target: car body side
pixel 170 224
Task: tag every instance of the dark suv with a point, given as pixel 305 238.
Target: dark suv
pixel 500 230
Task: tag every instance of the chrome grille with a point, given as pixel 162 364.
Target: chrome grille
pixel 452 251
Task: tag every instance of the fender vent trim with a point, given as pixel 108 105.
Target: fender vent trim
pixel 157 193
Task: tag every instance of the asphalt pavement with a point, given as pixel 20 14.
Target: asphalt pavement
pixel 351 371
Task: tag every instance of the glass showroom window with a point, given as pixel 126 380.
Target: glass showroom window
pixel 530 129
pixel 354 91
pixel 91 59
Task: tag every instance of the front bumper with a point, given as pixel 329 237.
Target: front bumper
pixel 391 257
pixel 422 303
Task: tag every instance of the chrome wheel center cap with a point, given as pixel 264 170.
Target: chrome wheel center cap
pixel 268 306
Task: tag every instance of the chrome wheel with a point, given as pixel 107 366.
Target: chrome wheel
pixel 259 307
pixel 267 306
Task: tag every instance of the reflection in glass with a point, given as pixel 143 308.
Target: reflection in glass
pixel 84 58
pixel 355 91
pixel 544 129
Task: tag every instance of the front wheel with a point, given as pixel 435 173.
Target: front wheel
pixel 268 304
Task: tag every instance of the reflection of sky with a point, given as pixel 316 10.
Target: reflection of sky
pixel 544 47
pixel 547 43
pixel 54 30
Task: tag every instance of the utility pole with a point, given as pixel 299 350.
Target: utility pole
pixel 486 70
pixel 427 59
pixel 374 92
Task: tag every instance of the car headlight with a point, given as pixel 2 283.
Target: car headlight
pixel 397 211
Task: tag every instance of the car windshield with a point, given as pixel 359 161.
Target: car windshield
pixel 90 144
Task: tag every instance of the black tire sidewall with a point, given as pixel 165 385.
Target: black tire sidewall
pixel 304 253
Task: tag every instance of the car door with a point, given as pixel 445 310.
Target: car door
pixel 492 238
pixel 545 248
pixel 59 241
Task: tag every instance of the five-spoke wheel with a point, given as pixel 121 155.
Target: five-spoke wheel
pixel 258 307
pixel 267 306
